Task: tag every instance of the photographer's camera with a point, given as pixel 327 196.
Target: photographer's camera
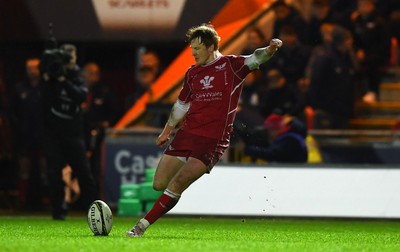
pixel 54 59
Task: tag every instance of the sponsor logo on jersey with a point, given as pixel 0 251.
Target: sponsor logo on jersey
pixel 206 81
pixel 220 67
pixel 208 96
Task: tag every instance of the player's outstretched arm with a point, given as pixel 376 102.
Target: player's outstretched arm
pixel 178 112
pixel 262 55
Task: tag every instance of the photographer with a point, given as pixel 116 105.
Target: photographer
pixel 63 92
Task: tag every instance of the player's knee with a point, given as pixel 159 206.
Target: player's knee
pixel 159 185
pixel 181 179
pixel 180 182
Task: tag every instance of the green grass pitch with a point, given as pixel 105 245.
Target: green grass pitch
pixel 20 233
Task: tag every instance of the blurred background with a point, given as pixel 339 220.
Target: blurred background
pixel 335 84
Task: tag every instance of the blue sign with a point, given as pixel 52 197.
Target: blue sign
pixel 126 161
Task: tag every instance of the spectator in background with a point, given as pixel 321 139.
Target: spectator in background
pixel 332 82
pixel 63 92
pixel 29 134
pixel 280 98
pixel 287 136
pixel 100 111
pixel 326 31
pixel 320 13
pixel 292 58
pixel 148 69
pixel 286 15
pixel 255 39
pixel 249 98
pixel 342 10
pixel 372 44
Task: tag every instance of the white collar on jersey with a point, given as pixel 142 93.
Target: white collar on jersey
pixel 213 61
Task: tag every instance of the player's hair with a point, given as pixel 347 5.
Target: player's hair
pixel 206 33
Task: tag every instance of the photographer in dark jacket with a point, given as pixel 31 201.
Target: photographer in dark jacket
pixel 63 92
pixel 287 136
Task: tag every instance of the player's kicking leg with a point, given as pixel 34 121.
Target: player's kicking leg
pixel 166 170
pixel 186 175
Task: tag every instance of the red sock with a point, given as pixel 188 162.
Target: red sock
pixel 164 203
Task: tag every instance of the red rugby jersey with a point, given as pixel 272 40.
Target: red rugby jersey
pixel 213 91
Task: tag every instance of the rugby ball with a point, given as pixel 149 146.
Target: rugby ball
pixel 100 218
